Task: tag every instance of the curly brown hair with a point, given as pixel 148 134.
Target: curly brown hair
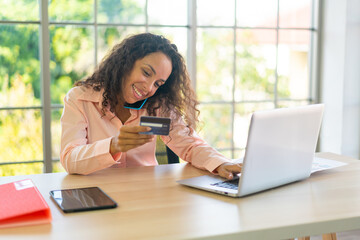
pixel 176 95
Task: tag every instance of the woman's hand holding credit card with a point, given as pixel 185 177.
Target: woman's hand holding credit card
pixel 129 138
pixel 159 125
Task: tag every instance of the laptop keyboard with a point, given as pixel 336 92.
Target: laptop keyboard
pixel 231 184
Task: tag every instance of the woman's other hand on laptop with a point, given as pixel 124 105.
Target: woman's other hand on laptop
pixel 227 170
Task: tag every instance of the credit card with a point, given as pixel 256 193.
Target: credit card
pixel 159 125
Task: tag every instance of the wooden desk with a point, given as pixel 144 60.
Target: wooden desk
pixel 153 206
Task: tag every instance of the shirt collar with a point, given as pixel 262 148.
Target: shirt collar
pixel 90 95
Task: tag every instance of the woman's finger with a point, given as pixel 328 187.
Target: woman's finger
pixel 227 170
pixel 134 141
pixel 134 129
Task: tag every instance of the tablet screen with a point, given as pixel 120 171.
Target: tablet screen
pixel 82 199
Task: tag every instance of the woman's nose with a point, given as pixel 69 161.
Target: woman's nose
pixel 149 87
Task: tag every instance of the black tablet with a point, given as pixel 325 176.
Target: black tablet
pixel 82 199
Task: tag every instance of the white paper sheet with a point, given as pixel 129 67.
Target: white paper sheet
pixel 320 164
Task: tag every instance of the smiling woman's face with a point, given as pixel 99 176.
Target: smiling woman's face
pixel 147 75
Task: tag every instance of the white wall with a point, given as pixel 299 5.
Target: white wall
pixel 340 77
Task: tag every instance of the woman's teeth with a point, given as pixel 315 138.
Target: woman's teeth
pixel 137 91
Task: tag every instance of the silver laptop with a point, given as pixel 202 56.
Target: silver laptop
pixel 280 150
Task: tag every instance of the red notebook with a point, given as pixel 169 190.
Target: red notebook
pixel 22 204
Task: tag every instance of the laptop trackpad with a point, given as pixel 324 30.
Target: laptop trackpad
pixel 209 182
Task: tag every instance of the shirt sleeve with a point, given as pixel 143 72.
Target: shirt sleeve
pixel 190 147
pixel 76 154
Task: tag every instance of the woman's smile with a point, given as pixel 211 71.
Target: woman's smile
pixel 138 94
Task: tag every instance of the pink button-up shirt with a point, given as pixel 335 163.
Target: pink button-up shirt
pixel 86 137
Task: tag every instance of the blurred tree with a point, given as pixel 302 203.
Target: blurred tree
pixel 20 130
pixel 19 10
pixel 71 10
pixel 72 57
pixel 19 55
pixel 120 11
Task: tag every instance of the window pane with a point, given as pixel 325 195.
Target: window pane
pixel 167 12
pixel 20 65
pixel 211 12
pixel 19 10
pixel 216 124
pixel 255 64
pixel 57 167
pixel 72 57
pixel 286 104
pixel 121 11
pixel 71 10
pixel 295 13
pixel 21 134
pixel 242 119
pixel 21 169
pixel 226 153
pixel 249 14
pixel 109 36
pixel 215 53
pixel 293 70
pixel 239 153
pixel 178 36
pixel 55 133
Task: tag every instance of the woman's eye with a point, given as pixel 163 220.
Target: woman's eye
pixel 158 84
pixel 146 73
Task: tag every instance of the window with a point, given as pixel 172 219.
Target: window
pixel 252 55
pixel 242 58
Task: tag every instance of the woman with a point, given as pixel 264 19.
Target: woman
pixel 99 132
